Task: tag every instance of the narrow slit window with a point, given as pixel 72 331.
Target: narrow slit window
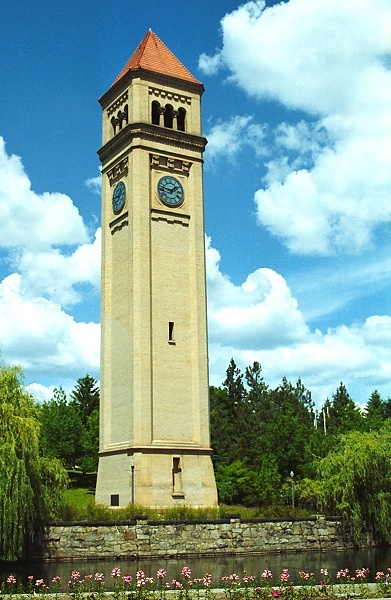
pixel 177 477
pixel 171 332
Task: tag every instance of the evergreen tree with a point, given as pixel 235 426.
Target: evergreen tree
pixel 61 429
pixel 85 397
pixel 375 413
pixel 344 414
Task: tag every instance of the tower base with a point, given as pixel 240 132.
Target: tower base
pixel 158 478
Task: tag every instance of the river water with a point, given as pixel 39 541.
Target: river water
pixel 376 559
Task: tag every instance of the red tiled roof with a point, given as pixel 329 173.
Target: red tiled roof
pixel 153 55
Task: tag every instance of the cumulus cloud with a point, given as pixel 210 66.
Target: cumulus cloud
pixel 57 276
pixel 228 138
pixel 38 335
pixel 30 220
pixel 260 320
pixel 259 313
pixel 327 189
pixel 48 264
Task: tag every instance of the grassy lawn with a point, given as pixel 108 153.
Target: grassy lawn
pixel 79 505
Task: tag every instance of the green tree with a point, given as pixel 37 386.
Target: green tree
pixel 343 415
pixel 356 483
pixel 288 426
pixel 375 413
pixel 85 397
pixel 239 484
pixel 88 461
pixel 61 429
pixel 30 484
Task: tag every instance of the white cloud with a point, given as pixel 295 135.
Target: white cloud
pixel 38 335
pixel 227 138
pixel 58 276
pixel 52 264
pixel 261 320
pixel 30 220
pixel 328 186
pixel 260 312
pixel 95 184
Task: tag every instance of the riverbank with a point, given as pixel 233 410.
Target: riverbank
pixel 141 538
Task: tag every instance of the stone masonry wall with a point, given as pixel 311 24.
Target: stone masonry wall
pixel 149 539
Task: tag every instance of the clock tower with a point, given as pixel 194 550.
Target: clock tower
pixel 154 415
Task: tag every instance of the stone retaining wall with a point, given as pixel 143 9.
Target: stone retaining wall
pixel 150 539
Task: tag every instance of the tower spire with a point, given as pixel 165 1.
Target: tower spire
pixel 153 55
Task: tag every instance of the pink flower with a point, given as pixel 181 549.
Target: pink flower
pixel 186 572
pixel 98 576
pixel 161 574
pixel 342 574
pixel 140 575
pixel 362 573
pixel 275 593
pixel 39 582
pixel 284 575
pixel 324 572
pixel 267 574
pixel 87 577
pixel 207 580
pixel 56 579
pixel 234 577
pixel 11 579
pixel 128 579
pixel 116 572
pixel 149 580
pixel 75 575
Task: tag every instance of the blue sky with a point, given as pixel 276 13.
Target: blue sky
pixel 297 182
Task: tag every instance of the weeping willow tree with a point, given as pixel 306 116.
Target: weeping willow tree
pixel 30 484
pixel 356 483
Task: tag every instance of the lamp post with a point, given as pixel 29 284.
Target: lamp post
pixel 293 488
pixel 132 469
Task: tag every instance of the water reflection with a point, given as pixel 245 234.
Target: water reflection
pixel 376 559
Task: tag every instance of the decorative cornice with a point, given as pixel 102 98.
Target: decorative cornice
pixel 119 170
pixel 118 102
pixel 170 217
pixel 175 165
pixel 159 93
pixel 152 133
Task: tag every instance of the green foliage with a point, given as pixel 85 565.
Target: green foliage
pixel 237 484
pixel 258 435
pixel 85 397
pixel 356 482
pixel 343 414
pixel 375 413
pixel 27 479
pixel 61 429
pixel 70 430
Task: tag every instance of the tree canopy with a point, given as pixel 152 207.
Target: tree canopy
pixel 339 455
pixel 30 484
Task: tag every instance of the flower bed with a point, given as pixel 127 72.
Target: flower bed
pixel 345 585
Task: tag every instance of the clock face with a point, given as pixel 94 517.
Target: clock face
pixel 119 196
pixel 170 191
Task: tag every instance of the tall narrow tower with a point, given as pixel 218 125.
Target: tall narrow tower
pixel 154 423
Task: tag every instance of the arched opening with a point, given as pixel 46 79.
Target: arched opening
pixel 181 119
pixel 155 112
pixel 168 116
